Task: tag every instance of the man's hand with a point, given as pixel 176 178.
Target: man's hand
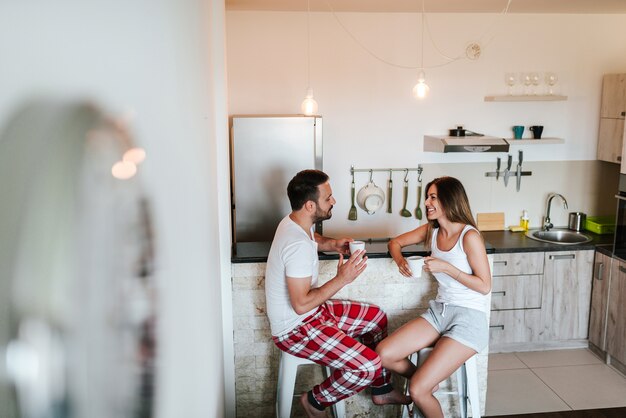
pixel 342 245
pixel 303 298
pixel 352 268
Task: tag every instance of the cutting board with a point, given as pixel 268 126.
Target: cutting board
pixel 490 221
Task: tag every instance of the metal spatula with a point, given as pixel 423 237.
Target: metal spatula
pixel 352 213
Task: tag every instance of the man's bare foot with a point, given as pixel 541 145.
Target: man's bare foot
pixel 393 397
pixel 310 410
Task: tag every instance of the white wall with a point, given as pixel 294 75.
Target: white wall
pixel 372 120
pixel 163 62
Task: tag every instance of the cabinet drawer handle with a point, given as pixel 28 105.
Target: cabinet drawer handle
pixel 619 158
pixel 623 113
pixel 600 271
pixel 562 257
pixel 499 293
pixel 504 263
pixel 622 269
pixel 500 327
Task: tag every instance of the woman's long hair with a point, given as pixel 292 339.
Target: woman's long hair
pixel 454 202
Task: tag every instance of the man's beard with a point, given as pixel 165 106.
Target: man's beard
pixel 322 216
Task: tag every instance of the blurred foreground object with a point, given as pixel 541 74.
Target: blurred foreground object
pixel 77 295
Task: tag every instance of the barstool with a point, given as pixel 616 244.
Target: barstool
pixel 467 385
pixel 287 372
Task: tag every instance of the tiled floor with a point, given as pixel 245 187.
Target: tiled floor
pixel 545 381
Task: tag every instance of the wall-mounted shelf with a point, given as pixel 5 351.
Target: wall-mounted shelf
pixel 526 98
pixel 542 141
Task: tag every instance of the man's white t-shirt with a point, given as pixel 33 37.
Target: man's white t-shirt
pixel 293 254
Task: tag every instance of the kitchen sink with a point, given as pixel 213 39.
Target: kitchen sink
pixel 559 236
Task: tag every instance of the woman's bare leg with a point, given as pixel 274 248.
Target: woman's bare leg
pixel 409 338
pixel 447 356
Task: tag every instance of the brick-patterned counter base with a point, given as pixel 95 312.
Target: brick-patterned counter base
pixel 256 357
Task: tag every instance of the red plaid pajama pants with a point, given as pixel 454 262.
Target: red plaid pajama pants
pixel 328 338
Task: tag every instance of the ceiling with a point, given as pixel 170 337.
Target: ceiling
pixel 435 6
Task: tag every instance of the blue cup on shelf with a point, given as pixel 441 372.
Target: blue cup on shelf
pixel 518 131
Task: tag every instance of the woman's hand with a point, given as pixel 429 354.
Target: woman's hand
pixel 435 265
pixel 403 267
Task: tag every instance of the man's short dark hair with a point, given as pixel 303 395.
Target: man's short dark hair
pixel 303 187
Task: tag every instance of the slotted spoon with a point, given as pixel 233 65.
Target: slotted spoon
pixel 405 212
pixel 352 213
pixel 418 209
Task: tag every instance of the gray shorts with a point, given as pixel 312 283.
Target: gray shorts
pixel 465 325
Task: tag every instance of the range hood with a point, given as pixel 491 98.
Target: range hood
pixel 465 144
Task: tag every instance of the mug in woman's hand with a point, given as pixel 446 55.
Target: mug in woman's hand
pixel 416 264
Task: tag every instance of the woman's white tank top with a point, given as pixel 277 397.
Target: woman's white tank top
pixel 450 291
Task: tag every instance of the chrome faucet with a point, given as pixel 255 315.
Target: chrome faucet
pixel 546 223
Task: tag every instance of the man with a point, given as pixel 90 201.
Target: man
pixel 305 321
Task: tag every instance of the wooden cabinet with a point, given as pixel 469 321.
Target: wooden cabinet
pixel 599 302
pixel 616 320
pixel 567 295
pixel 517 283
pixel 515 264
pixel 540 300
pixel 612 112
pixel 613 96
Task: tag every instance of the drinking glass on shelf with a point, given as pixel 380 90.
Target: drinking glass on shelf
pixel 551 80
pixel 526 81
pixel 509 79
pixel 535 80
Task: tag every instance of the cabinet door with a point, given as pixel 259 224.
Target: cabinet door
pixel 511 264
pixel 514 326
pixel 599 296
pixel 566 294
pixel 610 140
pixel 516 292
pixel 622 168
pixel 613 96
pixel 616 325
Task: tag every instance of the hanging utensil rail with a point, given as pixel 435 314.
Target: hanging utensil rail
pixel 353 170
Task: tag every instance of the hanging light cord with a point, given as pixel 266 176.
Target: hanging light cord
pixel 422 39
pixel 424 25
pixel 308 42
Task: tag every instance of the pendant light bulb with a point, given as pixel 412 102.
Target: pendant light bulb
pixel 421 89
pixel 309 105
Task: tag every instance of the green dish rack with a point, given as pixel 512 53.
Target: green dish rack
pixel 600 224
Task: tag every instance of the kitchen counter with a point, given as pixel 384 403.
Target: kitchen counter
pixel 256 252
pixel 495 242
pixel 518 242
pixel 256 357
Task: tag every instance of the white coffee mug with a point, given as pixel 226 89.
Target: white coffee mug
pixel 416 263
pixel 356 245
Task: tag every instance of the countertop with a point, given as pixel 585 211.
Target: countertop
pixel 495 242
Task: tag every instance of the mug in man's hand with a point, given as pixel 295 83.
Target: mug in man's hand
pixel 356 245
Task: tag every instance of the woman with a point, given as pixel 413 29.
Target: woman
pixel 456 321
